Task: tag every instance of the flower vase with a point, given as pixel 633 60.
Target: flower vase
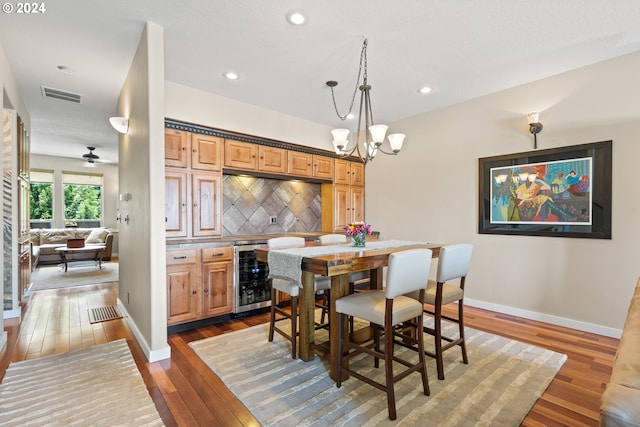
pixel 359 240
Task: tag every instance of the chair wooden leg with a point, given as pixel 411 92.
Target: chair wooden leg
pixel 340 350
pixel 294 325
pixel 388 367
pixel 376 342
pixel 326 298
pixel 463 344
pixel 422 356
pixel 272 318
pixel 438 340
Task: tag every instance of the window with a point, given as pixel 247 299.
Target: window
pixel 41 198
pixel 82 199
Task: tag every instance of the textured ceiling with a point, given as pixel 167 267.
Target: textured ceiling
pixel 462 49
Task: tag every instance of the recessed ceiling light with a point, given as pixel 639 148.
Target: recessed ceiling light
pixel 231 75
pixel 424 90
pixel 295 17
pixel 64 69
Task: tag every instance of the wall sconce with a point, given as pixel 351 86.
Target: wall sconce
pixel 535 127
pixel 121 124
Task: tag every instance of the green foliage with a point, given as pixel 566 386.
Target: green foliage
pixel 82 202
pixel 41 201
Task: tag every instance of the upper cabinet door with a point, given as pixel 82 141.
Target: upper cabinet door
pixel 206 152
pixel 299 164
pixel 176 204
pixel 272 159
pixel 175 148
pixel 342 171
pixel 357 174
pixel 207 198
pixel 240 155
pixel 322 167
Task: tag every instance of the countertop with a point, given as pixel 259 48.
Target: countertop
pixel 247 239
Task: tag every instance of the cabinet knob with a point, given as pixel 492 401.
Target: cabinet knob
pixel 206 290
pixel 193 292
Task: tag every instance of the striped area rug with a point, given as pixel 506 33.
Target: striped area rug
pixel 95 386
pixel 498 387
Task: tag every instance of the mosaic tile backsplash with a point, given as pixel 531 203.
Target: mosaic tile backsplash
pixel 249 202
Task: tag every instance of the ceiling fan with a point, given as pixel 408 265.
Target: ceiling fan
pixel 90 157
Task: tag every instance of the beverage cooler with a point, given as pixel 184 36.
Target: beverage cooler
pixel 251 278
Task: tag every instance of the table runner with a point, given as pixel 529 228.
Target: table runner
pixel 287 263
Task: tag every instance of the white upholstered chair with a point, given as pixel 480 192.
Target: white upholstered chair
pixel 290 288
pixel 453 264
pixel 408 271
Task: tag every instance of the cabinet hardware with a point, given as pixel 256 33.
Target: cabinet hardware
pixel 180 257
pixel 194 292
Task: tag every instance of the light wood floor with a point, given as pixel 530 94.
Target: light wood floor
pixel 187 393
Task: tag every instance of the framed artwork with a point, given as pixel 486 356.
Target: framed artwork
pixel 559 192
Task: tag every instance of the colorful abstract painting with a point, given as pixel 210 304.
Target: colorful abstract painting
pixel 554 193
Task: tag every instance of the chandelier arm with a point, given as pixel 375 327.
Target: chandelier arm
pixel 379 148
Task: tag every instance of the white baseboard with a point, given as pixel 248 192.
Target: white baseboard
pixel 541 317
pixel 152 355
pixel 11 314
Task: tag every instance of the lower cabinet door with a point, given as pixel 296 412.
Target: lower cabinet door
pixel 217 288
pixel 182 294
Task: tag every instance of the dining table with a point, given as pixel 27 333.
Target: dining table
pixel 301 265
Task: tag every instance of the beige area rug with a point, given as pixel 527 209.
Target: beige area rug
pixel 498 388
pixel 79 273
pixel 95 386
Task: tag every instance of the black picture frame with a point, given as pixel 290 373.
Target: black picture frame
pixel 574 205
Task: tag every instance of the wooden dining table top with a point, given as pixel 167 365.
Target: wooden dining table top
pixel 341 263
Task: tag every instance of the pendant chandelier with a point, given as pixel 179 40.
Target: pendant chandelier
pixel 373 135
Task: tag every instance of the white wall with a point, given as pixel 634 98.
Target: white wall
pixel 142 291
pixel 206 109
pixel 429 191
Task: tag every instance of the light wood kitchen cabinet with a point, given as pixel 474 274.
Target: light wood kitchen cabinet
pixel 206 190
pixel 206 152
pixel 193 204
pixel 254 157
pixel 348 205
pixel 323 167
pixel 300 164
pixel 182 286
pixel 349 173
pixel 217 281
pixel 177 200
pixel 199 283
pixel 193 184
pixel 343 202
pixel 240 155
pixel 176 143
pixel 192 150
pixel 309 165
pixel 272 159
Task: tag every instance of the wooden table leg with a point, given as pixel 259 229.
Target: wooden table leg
pixel 306 310
pixel 339 288
pixel 375 278
pixel 64 260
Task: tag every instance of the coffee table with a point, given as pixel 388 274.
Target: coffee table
pixel 97 249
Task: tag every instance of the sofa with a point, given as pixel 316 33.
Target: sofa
pixel 621 400
pixel 44 242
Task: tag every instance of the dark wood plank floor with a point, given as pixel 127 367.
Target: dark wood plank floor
pixel 187 393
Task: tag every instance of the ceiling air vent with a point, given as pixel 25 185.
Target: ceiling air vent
pixel 49 92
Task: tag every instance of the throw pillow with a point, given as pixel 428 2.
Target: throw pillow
pixel 97 235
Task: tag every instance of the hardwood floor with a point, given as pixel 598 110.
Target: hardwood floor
pixel 187 393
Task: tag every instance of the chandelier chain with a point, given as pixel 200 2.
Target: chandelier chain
pixel 362 67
